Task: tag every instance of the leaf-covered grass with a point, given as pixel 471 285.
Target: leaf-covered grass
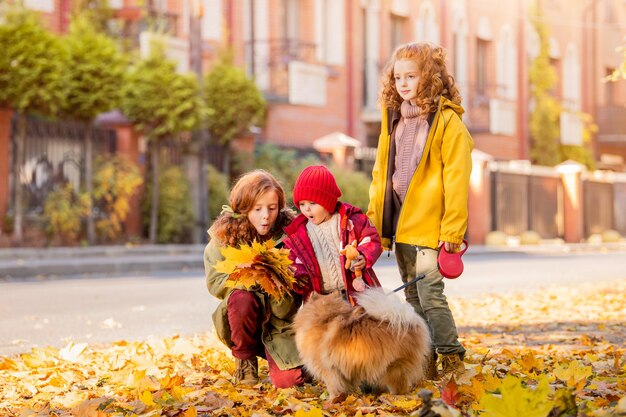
pixel 557 352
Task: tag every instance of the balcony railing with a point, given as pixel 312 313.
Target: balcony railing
pixel 487 112
pixel 271 58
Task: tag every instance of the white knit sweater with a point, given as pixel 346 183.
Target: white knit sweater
pixel 327 244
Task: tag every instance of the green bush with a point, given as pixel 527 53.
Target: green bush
pixel 175 215
pixel 8 224
pixel 218 191
pixel 284 165
pixel 64 211
pixel 115 181
pixel 354 186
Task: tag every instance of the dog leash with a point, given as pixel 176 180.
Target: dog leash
pixel 413 281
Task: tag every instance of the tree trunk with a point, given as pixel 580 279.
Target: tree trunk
pixel 154 207
pixel 227 168
pixel 18 232
pixel 204 217
pixel 91 227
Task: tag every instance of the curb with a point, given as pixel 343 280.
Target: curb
pixel 23 263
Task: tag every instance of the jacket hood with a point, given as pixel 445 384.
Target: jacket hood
pixel 457 108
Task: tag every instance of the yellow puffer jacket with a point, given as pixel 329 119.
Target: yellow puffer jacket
pixel 435 206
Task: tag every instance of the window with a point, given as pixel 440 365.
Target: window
pixel 371 54
pixel 506 64
pixel 481 66
pixel 426 28
pixel 571 79
pixel 290 19
pixel 396 37
pixel 609 89
pixel 459 54
pixel 212 20
pixel 330 31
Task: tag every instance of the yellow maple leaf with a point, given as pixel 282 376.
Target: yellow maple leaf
pixel 190 412
pixel 171 381
pixel 147 398
pixel 491 382
pixel 573 374
pixel 7 364
pixel 258 264
pixel 476 390
pixel 234 258
pixel 530 362
pixel 405 404
pixel 313 412
pixel 516 400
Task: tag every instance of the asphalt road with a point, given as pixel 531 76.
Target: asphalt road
pixel 105 309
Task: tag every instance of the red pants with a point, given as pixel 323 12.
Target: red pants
pixel 245 317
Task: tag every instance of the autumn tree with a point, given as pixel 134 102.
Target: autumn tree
pixel 236 104
pixel 32 79
pixel 161 103
pixel 544 119
pixel 94 77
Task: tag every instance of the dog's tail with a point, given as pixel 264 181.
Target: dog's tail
pixel 389 308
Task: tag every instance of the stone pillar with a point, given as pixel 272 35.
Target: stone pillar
pixel 128 144
pixel 479 199
pixel 5 139
pixel 573 203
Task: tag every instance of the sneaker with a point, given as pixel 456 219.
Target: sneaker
pixel 247 371
pixel 452 366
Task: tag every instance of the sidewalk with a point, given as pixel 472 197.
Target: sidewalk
pixel 116 260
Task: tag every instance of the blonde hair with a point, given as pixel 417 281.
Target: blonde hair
pixel 434 79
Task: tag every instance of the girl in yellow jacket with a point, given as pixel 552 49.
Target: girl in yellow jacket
pixel 419 191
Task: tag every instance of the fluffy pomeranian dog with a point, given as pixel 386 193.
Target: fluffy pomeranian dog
pixel 382 342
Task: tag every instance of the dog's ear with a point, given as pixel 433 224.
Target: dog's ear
pixel 314 296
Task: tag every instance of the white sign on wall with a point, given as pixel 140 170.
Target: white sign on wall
pixel 40 5
pixel 307 84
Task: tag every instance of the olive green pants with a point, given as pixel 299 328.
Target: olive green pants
pixel 427 297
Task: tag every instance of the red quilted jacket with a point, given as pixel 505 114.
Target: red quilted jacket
pixel 354 225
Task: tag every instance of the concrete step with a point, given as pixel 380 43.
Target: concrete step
pixel 112 260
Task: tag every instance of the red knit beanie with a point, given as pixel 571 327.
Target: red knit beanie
pixel 316 183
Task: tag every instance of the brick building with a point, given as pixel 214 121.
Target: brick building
pixel 318 62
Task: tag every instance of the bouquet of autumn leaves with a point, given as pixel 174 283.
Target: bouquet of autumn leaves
pixel 259 264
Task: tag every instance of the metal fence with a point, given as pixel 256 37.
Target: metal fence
pixel 604 202
pixel 526 198
pixel 54 154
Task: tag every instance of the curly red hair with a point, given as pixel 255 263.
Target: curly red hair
pixel 434 79
pixel 235 229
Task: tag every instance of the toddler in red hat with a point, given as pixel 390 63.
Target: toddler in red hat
pixel 318 237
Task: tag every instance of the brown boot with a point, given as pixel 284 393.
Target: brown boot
pixel 452 366
pixel 247 371
pixel 431 369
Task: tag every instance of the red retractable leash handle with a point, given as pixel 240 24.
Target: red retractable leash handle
pixel 450 263
pixel 450 266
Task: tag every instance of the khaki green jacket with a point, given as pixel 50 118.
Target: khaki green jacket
pixel 277 334
pixel 435 206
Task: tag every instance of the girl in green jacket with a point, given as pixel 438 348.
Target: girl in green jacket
pixel 419 191
pixel 249 321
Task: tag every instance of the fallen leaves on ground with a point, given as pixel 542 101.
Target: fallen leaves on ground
pixel 554 352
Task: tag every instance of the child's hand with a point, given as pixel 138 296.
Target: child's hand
pixel 451 247
pixel 358 263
